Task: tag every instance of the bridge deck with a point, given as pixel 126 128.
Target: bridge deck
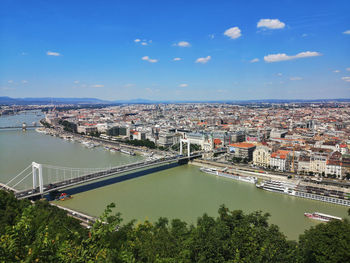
pixel 99 175
pixel 8 188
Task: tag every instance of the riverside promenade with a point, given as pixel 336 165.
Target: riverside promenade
pixel 266 175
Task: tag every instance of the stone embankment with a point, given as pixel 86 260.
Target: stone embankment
pixel 264 175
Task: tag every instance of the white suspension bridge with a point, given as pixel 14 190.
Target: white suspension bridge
pixel 40 179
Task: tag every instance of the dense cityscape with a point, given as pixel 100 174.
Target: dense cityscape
pixel 303 139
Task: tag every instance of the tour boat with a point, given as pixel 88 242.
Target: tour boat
pixel 247 179
pixel 321 217
pixel 309 192
pixel 209 170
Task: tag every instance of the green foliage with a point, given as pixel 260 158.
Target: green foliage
pixel 43 233
pixel 45 124
pixel 95 134
pixel 68 126
pixel 326 243
pixel 145 143
pixel 236 159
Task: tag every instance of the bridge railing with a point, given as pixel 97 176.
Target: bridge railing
pixel 73 176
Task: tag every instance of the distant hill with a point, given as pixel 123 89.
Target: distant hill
pixel 46 100
pixel 57 101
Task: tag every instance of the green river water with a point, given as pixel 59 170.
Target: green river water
pixel 181 192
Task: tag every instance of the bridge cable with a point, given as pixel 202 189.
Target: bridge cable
pixel 22 179
pixel 17 175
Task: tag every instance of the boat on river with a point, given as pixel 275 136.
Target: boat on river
pixel 224 173
pixel 306 191
pixel 321 217
pixel 127 152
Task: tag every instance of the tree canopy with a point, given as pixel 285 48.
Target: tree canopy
pixel 39 232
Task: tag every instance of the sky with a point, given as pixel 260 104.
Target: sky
pixel 175 50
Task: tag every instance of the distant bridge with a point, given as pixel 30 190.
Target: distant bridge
pixel 57 178
pixel 19 127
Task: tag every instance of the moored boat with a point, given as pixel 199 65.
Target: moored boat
pixel 314 193
pixel 247 179
pixel 321 217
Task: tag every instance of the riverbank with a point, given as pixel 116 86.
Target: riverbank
pixel 95 141
pixel 265 175
pixel 281 185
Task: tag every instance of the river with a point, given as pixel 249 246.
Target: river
pixel 182 192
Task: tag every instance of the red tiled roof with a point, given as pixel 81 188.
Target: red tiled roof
pixel 217 141
pixel 281 154
pixel 242 145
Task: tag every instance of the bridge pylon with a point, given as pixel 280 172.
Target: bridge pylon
pixel 188 146
pixel 37 170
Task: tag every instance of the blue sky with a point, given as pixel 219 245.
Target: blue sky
pixel 223 49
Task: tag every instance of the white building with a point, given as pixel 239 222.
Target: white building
pixel 279 160
pixel 262 156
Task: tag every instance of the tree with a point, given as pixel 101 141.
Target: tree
pixel 326 243
pixel 40 232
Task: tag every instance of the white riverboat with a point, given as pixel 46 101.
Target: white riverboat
pixel 127 152
pixel 318 194
pixel 247 179
pixel 321 217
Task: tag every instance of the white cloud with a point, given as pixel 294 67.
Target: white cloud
pixel 147 58
pixel 336 71
pixel 283 57
pixel 271 24
pixel 183 85
pixel 347 32
pixel 97 86
pixel 10 81
pixel 76 81
pixel 304 35
pixel 177 59
pixel 347 79
pixel 183 44
pixel 347 69
pixel 24 81
pixel 211 36
pixel 203 60
pixel 51 53
pixel 233 32
pixel 254 60
pixel 143 42
pixel 295 78
pixel 279 74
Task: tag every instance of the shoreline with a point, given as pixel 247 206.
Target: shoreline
pixel 325 198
